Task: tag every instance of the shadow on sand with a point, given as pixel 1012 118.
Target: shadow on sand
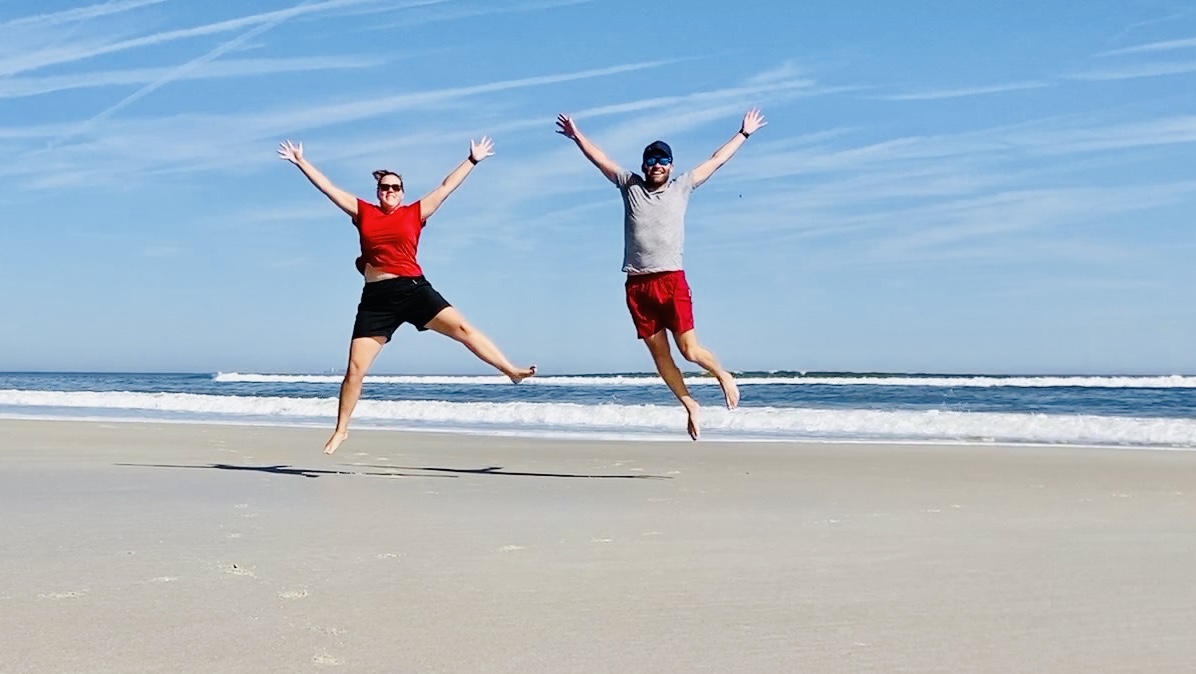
pixel 393 471
pixel 498 470
pixel 282 469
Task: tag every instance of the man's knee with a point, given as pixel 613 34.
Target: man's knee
pixel 690 350
pixel 658 344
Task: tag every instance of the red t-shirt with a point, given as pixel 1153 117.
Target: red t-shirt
pixel 389 240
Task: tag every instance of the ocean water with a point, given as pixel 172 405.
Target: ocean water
pixel 1067 410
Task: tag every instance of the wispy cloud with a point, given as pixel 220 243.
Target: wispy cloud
pixel 75 15
pixel 181 71
pixel 1180 129
pixel 432 11
pixel 291 121
pixel 1172 16
pixel 1137 71
pixel 991 195
pixel 24 61
pixel 983 225
pixel 785 72
pixel 936 94
pixel 17 87
pixel 191 142
pixel 1165 45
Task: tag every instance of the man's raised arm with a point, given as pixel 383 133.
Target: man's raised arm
pixel 592 152
pixel 752 122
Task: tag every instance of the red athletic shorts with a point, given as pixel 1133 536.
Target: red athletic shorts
pixel 660 301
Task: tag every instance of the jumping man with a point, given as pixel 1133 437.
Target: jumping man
pixel 658 295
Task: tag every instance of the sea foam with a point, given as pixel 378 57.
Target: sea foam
pixel 608 418
pixel 979 381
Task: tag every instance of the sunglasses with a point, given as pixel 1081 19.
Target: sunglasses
pixel 390 187
pixel 653 161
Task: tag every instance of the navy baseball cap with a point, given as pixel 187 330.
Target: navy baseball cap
pixel 658 149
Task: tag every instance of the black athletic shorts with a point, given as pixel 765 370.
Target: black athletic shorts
pixel 387 304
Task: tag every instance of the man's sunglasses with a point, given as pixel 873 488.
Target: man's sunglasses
pixel 389 187
pixel 653 161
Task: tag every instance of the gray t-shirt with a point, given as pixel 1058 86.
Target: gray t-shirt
pixel 653 223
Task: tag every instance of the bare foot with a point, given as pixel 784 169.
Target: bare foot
pixel 730 390
pixel 519 375
pixel 691 409
pixel 335 441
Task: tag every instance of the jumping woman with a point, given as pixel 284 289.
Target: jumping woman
pixel 395 290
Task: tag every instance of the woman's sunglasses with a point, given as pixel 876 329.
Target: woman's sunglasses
pixel 389 187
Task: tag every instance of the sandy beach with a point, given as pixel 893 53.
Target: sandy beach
pixel 197 548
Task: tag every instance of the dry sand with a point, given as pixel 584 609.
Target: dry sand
pixel 190 548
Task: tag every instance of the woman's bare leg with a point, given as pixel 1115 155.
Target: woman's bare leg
pixel 362 352
pixel 450 323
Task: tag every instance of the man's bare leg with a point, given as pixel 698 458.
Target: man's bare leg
pixel 362 352
pixel 658 346
pixel 691 350
pixel 451 323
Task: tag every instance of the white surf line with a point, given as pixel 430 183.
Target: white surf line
pixel 615 380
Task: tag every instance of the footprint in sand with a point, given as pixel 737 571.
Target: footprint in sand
pixel 333 631
pixel 510 548
pixel 234 536
pixel 292 594
pixel 390 555
pixel 62 595
pixel 237 570
pixel 162 579
pixel 326 660
pixel 602 540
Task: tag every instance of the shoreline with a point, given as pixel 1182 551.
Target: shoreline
pixel 593 436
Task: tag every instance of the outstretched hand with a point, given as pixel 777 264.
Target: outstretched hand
pixel 481 149
pixel 566 127
pixel 291 152
pixel 753 121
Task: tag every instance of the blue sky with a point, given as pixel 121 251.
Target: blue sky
pixel 949 187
